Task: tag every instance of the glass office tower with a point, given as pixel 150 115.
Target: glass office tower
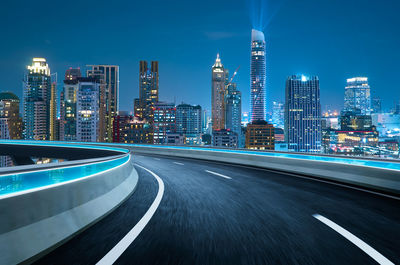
pixel 257 76
pixel 303 114
pixel 357 95
pixel 37 95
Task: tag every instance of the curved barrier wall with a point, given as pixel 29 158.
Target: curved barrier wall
pixel 42 206
pixel 373 174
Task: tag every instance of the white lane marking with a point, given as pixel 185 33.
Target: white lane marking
pixel 217 174
pixel 122 245
pixel 181 164
pixel 157 159
pixel 378 257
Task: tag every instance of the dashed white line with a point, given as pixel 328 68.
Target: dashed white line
pixel 181 164
pixel 217 174
pixel 378 257
pixel 157 159
pixel 122 245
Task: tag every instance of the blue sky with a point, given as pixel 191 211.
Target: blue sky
pixel 334 39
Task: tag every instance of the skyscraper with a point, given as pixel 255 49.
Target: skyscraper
pixel 233 111
pixel 9 112
pixel 357 95
pixel 87 109
pixel 53 112
pixel 278 114
pixel 108 97
pixel 219 80
pixel 68 105
pixel 303 114
pixel 148 90
pixel 257 76
pixel 37 89
pixel 188 119
pixel 164 121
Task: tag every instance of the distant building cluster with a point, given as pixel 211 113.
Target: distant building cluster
pixel 87 110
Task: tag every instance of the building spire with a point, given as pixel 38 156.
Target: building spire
pixel 218 62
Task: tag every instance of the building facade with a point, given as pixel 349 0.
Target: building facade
pixel 303 114
pixel 355 121
pixel 225 138
pixel 108 96
pixel 258 76
pixel 9 111
pixel 68 98
pixel 164 121
pixel 131 129
pixel 148 90
pixel 53 113
pixel 37 95
pixel 219 80
pixel 260 135
pixel 233 109
pixel 87 109
pixel 278 114
pixel 188 119
pixel 357 95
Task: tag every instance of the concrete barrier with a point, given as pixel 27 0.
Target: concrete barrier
pixel 33 223
pixel 381 179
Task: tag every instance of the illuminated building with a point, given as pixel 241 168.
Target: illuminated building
pixel 9 110
pixel 387 124
pixel 233 111
pixel 376 105
pixel 68 105
pixel 188 119
pixel 219 80
pixel 164 121
pixel 5 161
pixel 351 142
pixel 357 95
pixel 278 115
pixel 279 135
pixel 148 90
pixel 303 114
pixel 245 118
pixel 108 97
pixel 355 121
pixel 225 138
pixel 175 139
pixel 260 135
pixel 53 111
pixel 87 110
pixel 257 76
pixel 131 129
pixel 37 95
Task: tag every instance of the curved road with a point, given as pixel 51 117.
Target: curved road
pixel 213 213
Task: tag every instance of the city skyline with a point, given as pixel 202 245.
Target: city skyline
pixel 348 53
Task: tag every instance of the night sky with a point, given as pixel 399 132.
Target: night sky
pixel 334 39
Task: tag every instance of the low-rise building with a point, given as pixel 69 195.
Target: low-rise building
pixel 260 135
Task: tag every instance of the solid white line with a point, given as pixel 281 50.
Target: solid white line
pixel 122 245
pixel 217 174
pixel 378 257
pixel 181 164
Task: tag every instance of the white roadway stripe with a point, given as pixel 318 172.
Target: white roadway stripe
pixel 157 159
pixel 181 164
pixel 218 174
pixel 122 245
pixel 378 257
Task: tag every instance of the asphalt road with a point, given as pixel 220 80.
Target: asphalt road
pixel 213 213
